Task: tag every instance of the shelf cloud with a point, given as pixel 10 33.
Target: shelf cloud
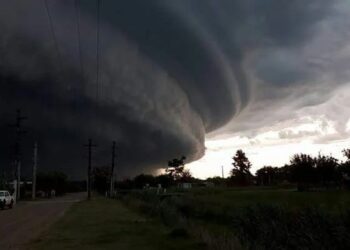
pixel 162 75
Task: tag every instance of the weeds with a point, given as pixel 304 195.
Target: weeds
pixel 255 226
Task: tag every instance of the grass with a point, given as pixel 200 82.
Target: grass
pixel 220 197
pixel 260 218
pixel 220 218
pixel 107 224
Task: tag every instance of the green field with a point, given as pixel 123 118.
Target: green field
pixel 240 197
pixel 260 218
pixel 206 218
pixel 107 224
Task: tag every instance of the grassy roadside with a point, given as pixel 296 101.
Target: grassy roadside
pixel 107 224
pixel 254 218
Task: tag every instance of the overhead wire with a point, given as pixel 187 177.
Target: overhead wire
pixel 78 24
pixel 97 49
pixel 53 34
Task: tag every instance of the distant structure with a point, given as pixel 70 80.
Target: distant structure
pixel 17 162
pixel 35 165
pixel 112 170
pixel 90 145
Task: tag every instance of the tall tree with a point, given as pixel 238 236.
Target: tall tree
pixel 101 176
pixel 176 168
pixel 346 153
pixel 344 170
pixel 326 168
pixel 240 174
pixel 303 170
pixel 144 180
pixel 267 175
pixel 47 181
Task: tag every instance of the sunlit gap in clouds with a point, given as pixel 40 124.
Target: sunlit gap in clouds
pixel 323 128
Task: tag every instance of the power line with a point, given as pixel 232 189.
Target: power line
pixel 35 166
pixel 90 145
pixel 97 48
pixel 53 33
pixel 77 12
pixel 19 132
pixel 111 192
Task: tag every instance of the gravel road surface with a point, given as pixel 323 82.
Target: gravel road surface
pixel 27 220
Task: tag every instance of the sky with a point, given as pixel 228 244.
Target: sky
pixel 169 78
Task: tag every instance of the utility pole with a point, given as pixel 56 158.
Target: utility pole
pixel 112 170
pixel 89 146
pixel 35 165
pixel 222 172
pixel 19 133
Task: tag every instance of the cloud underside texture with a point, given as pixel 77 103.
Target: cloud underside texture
pixel 169 73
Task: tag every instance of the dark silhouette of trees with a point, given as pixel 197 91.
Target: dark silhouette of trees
pixel 267 176
pixel 165 180
pixel 326 169
pixel 303 171
pixel 144 180
pixel 344 170
pixel 47 181
pixel 240 174
pixel 176 169
pixel 346 153
pixel 101 177
pixel 217 181
pixel 323 171
pixel 186 176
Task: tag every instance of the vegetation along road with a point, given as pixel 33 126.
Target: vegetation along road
pixel 107 224
pixel 29 219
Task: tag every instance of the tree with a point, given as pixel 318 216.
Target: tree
pixel 217 181
pixel 165 180
pixel 186 176
pixel 326 169
pixel 240 173
pixel 176 168
pixel 52 181
pixel 344 174
pixel 267 175
pixel 303 171
pixel 143 180
pixel 344 170
pixel 101 177
pixel 346 153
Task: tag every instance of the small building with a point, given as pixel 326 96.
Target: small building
pixel 185 185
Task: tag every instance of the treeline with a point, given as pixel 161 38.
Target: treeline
pixel 304 171
pixel 175 174
pixel 323 171
pixel 46 183
pixel 101 181
pixel 309 172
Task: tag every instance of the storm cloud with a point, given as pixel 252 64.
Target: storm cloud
pixel 170 72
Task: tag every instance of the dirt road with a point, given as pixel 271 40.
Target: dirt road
pixel 28 219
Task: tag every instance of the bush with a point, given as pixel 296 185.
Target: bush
pixel 276 227
pixel 259 226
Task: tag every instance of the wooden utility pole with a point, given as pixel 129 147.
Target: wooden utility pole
pixel 111 191
pixel 19 133
pixel 89 146
pixel 222 172
pixel 35 165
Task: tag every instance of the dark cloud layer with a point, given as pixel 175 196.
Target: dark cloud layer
pixel 170 72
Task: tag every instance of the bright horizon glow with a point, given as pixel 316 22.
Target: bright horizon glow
pixel 323 128
pixel 275 155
